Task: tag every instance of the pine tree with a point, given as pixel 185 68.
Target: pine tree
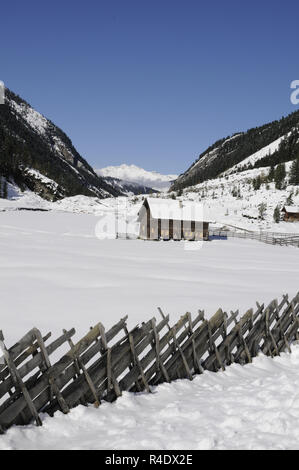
pixel 294 172
pixel 256 182
pixel 289 201
pixel 271 174
pixel 276 214
pixel 4 194
pixel 279 176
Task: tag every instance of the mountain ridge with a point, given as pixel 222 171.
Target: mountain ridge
pixel 228 152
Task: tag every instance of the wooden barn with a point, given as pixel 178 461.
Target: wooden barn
pixel 291 214
pixel 171 219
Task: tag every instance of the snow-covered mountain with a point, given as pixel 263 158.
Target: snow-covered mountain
pixel 37 155
pixel 231 200
pixel 135 174
pixel 270 144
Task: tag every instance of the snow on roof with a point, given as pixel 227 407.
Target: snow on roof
pixel 292 209
pixel 176 210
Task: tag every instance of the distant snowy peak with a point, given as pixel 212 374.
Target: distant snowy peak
pixel 135 174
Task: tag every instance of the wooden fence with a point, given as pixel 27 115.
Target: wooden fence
pixel 104 363
pixel 272 238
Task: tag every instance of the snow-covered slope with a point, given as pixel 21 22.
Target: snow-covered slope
pixel 34 151
pixel 231 200
pixel 135 174
pixel 252 159
pixel 278 139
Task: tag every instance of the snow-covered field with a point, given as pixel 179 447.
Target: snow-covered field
pixel 251 407
pixel 56 274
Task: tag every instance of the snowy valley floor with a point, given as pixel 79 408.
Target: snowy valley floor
pixel 55 274
pixel 251 407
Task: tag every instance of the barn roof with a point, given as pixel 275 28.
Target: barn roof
pixel 292 209
pixel 176 210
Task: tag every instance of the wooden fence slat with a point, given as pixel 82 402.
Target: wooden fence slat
pixel 137 362
pixel 111 379
pixel 156 343
pixel 131 366
pixel 212 346
pixel 79 365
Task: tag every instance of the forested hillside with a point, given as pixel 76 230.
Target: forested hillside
pixel 228 152
pixel 30 141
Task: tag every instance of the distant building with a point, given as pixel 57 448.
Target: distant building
pixel 291 214
pixel 172 219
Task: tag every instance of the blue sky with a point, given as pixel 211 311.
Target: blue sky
pixel 151 82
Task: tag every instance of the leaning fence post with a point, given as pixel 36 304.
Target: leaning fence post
pixel 17 379
pixel 178 348
pixel 159 363
pixel 213 347
pixel 137 362
pixel 79 364
pixel 111 379
pixel 53 387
